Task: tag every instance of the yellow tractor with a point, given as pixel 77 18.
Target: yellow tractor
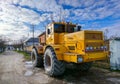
pixel 63 43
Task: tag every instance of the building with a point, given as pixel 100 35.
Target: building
pixel 42 39
pixel 28 44
pixel 115 53
pixel 10 47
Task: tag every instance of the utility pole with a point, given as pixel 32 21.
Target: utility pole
pixel 33 34
pixel 60 15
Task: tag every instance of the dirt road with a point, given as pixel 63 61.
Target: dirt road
pixel 13 70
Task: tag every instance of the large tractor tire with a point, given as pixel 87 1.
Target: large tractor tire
pixel 53 67
pixel 84 66
pixel 37 60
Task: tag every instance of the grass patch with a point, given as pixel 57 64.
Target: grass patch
pixel 26 55
pixel 115 71
pixel 1 52
pixel 100 64
pixel 104 65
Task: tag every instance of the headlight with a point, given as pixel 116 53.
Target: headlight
pixel 105 47
pixel 87 48
pixel 101 47
pixel 80 59
pixel 91 48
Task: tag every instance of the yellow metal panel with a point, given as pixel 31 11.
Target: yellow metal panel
pixel 56 38
pixel 59 38
pixel 94 41
pixel 59 56
pixel 70 57
pixel 80 47
pixel 40 51
pixel 93 35
pixel 76 36
pixel 95 56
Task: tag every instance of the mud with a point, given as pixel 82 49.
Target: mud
pixel 13 70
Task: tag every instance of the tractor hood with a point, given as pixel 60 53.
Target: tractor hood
pixel 76 36
pixel 84 35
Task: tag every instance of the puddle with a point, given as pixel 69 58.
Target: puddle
pixel 28 65
pixel 29 69
pixel 28 62
pixel 115 80
pixel 28 73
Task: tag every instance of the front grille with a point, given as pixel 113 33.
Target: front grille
pixel 71 47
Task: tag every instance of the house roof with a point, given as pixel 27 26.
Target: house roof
pixel 115 38
pixel 41 34
pixel 31 40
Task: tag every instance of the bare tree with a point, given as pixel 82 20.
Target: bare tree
pixel 106 34
pixel 2 45
pixel 19 44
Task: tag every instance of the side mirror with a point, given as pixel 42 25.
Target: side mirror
pixel 79 28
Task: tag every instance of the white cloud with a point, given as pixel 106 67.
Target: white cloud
pixel 113 30
pixel 12 31
pixel 48 6
pixel 12 18
pixel 13 13
pixel 92 9
pixel 43 5
pixel 77 3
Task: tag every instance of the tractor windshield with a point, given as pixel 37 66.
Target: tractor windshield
pixel 61 28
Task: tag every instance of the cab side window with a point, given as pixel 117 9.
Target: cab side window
pixel 48 31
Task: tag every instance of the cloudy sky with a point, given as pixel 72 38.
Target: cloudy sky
pixel 16 16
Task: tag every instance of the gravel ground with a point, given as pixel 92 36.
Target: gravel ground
pixel 14 70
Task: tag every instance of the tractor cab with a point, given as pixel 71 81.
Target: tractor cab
pixel 57 30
